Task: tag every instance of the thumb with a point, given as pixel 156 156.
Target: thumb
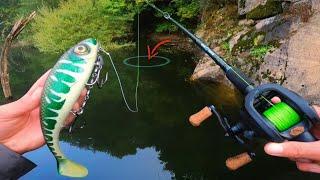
pixel 291 149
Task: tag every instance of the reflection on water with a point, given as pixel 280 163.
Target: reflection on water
pixel 157 142
pixel 143 165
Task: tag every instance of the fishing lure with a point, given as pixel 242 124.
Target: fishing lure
pixel 77 69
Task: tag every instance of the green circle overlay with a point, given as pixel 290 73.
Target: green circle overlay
pixel 126 62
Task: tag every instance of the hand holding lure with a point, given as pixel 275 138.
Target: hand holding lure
pixel 77 69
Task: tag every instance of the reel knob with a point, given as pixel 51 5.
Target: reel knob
pixel 201 116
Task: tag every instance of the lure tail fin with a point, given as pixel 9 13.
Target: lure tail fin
pixel 71 169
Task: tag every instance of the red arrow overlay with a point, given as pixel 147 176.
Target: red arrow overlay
pixel 154 53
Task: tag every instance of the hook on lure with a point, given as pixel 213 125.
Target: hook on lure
pixel 100 82
pixel 94 80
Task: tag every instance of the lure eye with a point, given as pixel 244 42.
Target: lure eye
pixel 81 50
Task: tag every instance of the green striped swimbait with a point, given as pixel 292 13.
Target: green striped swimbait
pixel 62 89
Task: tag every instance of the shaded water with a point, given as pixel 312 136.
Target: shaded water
pixel 157 142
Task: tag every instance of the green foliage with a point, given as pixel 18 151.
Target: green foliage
pixel 12 10
pixel 166 27
pixel 7 13
pixel 226 46
pixel 260 51
pixel 186 11
pixel 55 30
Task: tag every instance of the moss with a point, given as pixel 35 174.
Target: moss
pixel 271 8
pixel 258 40
pixel 226 46
pixel 260 51
pixel 245 43
pixel 249 41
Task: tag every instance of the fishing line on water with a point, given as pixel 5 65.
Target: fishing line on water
pixel 136 108
pixel 138 63
pixel 121 87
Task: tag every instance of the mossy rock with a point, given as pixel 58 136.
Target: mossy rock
pixel 271 8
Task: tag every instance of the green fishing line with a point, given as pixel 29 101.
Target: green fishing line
pixel 282 116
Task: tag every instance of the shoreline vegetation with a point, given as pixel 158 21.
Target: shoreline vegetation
pixel 60 23
pixel 248 34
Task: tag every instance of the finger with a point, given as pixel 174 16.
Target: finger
pixel 39 83
pixel 275 100
pixel 71 117
pixel 76 107
pixel 316 129
pixel 308 167
pixel 301 160
pixel 84 92
pixel 317 108
pixel 82 96
pixel 306 150
pixel 22 106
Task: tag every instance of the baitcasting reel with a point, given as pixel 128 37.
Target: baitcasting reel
pixel 291 119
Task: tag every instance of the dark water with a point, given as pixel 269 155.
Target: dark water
pixel 157 142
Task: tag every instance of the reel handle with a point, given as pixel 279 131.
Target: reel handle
pixel 199 117
pixel 238 161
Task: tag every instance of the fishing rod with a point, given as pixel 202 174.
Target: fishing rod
pixel 288 120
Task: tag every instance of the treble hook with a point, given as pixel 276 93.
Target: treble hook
pixel 101 81
pixel 97 72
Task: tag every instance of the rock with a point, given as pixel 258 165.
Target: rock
pixel 302 9
pixel 315 5
pixel 286 6
pixel 296 63
pixel 235 39
pixel 262 24
pixel 268 9
pixel 278 27
pixel 245 6
pixel 259 9
pixel 208 70
pixel 282 26
pixel 246 22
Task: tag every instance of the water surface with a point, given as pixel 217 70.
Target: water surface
pixel 157 142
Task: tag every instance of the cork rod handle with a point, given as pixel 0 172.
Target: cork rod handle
pixel 201 116
pixel 238 161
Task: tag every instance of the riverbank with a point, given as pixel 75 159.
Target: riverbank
pixel 279 46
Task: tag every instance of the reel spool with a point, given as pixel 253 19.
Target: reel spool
pixel 282 116
pixel 289 120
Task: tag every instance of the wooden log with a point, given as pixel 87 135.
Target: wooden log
pixel 4 71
